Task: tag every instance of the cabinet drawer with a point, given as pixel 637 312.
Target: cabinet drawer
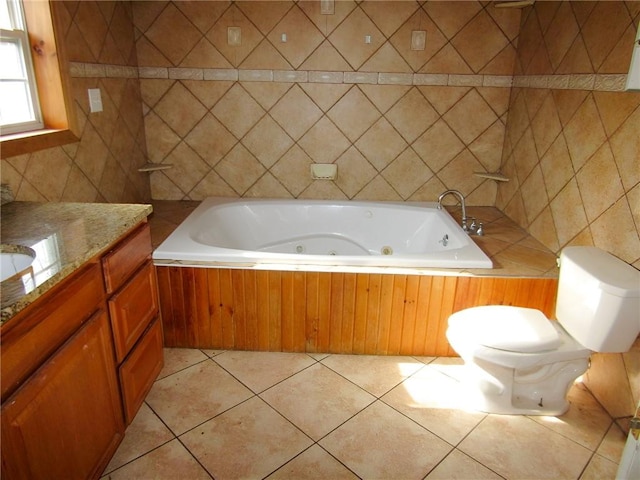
pixel 132 308
pixel 140 369
pixel 126 257
pixel 28 339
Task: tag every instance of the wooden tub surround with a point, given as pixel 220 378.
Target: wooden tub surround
pixel 355 313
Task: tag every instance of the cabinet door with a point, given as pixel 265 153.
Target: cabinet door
pixel 140 369
pixel 132 308
pixel 66 420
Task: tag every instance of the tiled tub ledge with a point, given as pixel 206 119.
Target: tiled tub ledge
pixel 513 251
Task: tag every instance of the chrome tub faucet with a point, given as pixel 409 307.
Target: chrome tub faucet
pixel 474 228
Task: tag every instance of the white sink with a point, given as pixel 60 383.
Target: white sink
pixel 14 259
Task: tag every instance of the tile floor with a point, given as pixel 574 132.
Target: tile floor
pixel 214 414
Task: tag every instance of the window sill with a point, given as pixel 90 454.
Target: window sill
pixel 28 142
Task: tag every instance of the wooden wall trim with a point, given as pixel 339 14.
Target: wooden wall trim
pixel 45 21
pixel 356 313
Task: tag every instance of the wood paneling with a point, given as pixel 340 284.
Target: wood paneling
pixel 359 313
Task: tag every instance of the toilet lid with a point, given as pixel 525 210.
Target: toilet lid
pixel 514 329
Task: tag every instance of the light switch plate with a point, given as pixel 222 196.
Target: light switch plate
pixel 95 100
pixel 234 36
pixel 418 39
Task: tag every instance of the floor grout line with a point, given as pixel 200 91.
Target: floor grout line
pixel 452 447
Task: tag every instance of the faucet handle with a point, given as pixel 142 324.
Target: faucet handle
pixel 475 227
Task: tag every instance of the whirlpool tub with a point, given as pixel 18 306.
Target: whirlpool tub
pixel 318 234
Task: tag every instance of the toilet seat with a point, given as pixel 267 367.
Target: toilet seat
pixel 512 329
pixel 468 331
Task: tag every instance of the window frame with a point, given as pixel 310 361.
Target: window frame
pixel 53 83
pixel 19 36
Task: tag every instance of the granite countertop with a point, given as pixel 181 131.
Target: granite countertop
pixel 64 237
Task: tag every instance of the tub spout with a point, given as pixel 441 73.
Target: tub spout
pixel 461 198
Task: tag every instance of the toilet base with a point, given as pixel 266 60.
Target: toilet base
pixel 541 390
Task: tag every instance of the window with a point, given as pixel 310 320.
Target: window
pixel 41 20
pixel 19 106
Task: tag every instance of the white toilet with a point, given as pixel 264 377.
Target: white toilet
pixel 522 363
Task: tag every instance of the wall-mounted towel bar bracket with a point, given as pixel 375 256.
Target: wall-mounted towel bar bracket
pixel 498 177
pixel 154 167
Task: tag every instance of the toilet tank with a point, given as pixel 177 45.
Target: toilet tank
pixel 598 299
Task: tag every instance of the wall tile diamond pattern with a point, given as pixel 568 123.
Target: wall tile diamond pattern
pixel 576 37
pixel 401 124
pixel 381 135
pixel 353 121
pixel 103 165
pixel 573 155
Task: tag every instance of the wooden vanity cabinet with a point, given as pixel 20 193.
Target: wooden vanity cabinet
pixel 37 332
pixel 131 284
pixel 78 363
pixel 66 420
pixel 61 406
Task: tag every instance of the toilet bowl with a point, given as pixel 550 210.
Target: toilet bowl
pixel 516 367
pixel 520 362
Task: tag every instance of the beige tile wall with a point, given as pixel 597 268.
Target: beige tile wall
pixel 102 166
pixel 573 156
pixel 324 96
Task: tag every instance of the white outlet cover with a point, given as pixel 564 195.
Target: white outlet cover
pixel 95 100
pixel 234 36
pixel 327 7
pixel 418 39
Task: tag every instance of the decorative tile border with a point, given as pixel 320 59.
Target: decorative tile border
pixel 255 75
pixel 611 83
pixel 98 70
pixel 606 83
pixel 326 77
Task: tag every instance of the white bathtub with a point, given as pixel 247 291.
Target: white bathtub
pixel 333 235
